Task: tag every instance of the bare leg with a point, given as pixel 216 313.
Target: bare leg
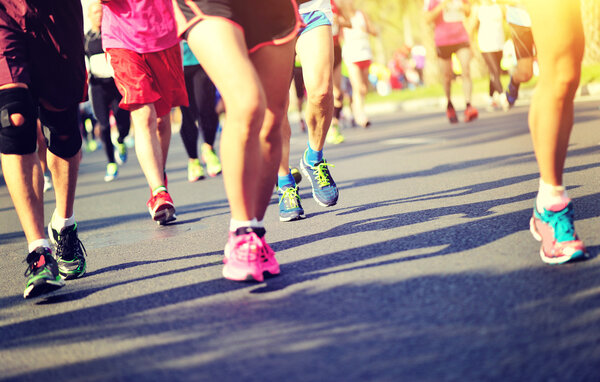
pixel 286 134
pixel 560 51
pixel 240 144
pixel 446 69
pixel 274 67
pixel 148 146
pixel 315 49
pixel 464 56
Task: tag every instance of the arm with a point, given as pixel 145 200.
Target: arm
pixel 369 27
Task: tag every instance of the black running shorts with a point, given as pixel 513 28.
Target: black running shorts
pixel 523 41
pixel 264 22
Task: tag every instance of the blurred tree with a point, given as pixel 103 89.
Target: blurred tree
pixel 591 26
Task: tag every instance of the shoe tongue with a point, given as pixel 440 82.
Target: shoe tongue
pixel 245 230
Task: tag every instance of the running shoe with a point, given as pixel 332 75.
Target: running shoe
pixel 42 273
pixel 213 164
pixel 91 146
pixel 504 102
pixel 47 183
pixel 555 229
pixel 270 266
pixel 195 170
pixel 290 207
pixel 112 170
pixel 451 114
pixel 334 136
pixel 296 174
pixel 121 153
pixel 70 251
pixel 512 94
pixel 471 114
pixel 161 208
pixel 243 256
pixel 324 189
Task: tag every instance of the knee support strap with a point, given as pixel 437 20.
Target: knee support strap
pixel 61 130
pixel 20 140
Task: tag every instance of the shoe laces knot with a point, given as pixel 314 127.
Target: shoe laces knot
pixel 32 262
pixel 68 244
pixel 321 172
pixel 562 224
pixel 291 195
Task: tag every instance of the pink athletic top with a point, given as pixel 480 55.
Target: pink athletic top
pixel 143 26
pixel 449 28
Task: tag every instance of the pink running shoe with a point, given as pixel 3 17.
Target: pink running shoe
pixel 161 208
pixel 555 229
pixel 243 258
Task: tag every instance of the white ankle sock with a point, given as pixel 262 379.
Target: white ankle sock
pixel 38 243
pixel 58 223
pixel 549 195
pixel 235 224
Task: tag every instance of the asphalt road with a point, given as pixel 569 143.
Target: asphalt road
pixel 424 271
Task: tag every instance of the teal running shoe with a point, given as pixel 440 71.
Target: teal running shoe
pixel 290 207
pixel 121 153
pixel 42 273
pixel 555 229
pixel 324 189
pixel 69 252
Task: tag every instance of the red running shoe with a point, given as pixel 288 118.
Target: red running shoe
pixel 451 113
pixel 471 114
pixel 161 208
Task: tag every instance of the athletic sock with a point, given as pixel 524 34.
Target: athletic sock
pixel 158 189
pixel 38 243
pixel 59 223
pixel 549 195
pixel 235 224
pixel 286 180
pixel 313 156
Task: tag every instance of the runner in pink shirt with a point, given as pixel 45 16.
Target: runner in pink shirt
pixel 451 37
pixel 141 40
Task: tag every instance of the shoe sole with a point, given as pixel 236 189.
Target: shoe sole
pixel 47 287
pixel 241 276
pixel 73 276
pixel 551 260
pixel 164 214
pixel 291 218
pixel 312 186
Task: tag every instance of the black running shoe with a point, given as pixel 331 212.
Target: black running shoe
pixel 42 273
pixel 69 252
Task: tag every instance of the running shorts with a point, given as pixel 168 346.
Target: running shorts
pixel 314 19
pixel 362 65
pixel 446 51
pixel 264 22
pixel 42 46
pixel 145 78
pixel 522 40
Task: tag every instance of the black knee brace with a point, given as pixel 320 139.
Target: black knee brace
pixel 21 139
pixel 61 130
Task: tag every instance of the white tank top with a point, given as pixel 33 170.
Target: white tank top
pixel 356 40
pixel 491 33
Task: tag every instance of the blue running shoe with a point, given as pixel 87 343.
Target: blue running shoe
pixel 554 228
pixel 512 94
pixel 289 204
pixel 120 153
pixel 324 190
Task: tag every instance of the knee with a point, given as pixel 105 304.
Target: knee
pixel 61 130
pixel 18 118
pixel 321 95
pixel 247 113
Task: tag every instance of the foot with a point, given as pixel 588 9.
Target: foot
pixel 112 170
pixel 247 257
pixel 195 170
pixel 324 189
pixel 451 114
pixel 42 273
pixel 70 253
pixel 290 207
pixel 121 153
pixel 213 164
pixel 161 208
pixel 47 183
pixel 334 136
pixel 554 227
pixel 512 94
pixel 471 114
